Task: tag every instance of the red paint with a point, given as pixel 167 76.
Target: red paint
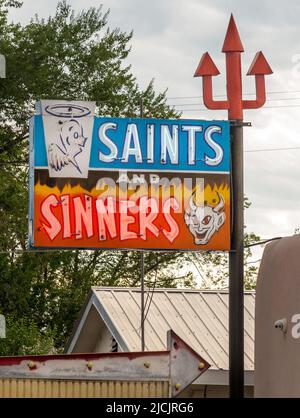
pixel 259 65
pixel 259 68
pixel 12 361
pixel 208 100
pixel 234 85
pixel 176 340
pixel 260 94
pixel 232 42
pixel 206 67
pixel 86 217
pixel 183 345
pixel 233 48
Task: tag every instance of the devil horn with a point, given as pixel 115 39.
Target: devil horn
pixel 220 205
pixel 191 202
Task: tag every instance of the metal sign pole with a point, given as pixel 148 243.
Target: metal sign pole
pixel 235 104
pixel 142 300
pixel 142 270
pixel 2 75
pixel 236 267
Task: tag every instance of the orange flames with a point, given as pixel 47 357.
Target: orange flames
pixel 180 191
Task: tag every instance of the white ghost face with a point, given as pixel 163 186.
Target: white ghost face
pixel 71 144
pixel 72 134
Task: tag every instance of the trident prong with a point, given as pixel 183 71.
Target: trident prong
pixel 207 69
pixel 259 68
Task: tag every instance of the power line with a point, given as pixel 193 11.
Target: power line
pixel 249 150
pixel 252 262
pixel 272 149
pixel 278 99
pixel 275 107
pixel 283 99
pixel 205 109
pixel 224 95
pixel 262 242
pixel 19 252
pixel 14 162
pixel 268 100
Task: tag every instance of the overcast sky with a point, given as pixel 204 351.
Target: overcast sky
pixel 169 39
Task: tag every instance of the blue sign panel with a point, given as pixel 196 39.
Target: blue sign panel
pixel 151 144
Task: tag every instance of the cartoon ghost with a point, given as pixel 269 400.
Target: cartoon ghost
pixel 72 141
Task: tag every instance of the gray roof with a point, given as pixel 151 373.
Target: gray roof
pixel 200 317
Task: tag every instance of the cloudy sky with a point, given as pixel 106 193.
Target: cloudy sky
pixel 169 39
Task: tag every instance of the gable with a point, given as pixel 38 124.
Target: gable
pixel 199 317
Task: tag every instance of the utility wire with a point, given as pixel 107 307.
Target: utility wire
pixel 150 300
pixel 187 109
pixel 264 107
pixel 194 255
pixel 14 162
pixel 252 262
pixel 262 242
pixel 268 100
pixel 19 252
pixel 23 163
pixel 271 149
pixel 224 95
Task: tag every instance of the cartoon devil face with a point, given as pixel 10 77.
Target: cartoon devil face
pixel 204 220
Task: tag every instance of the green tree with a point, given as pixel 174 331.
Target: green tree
pixel 23 337
pixel 212 267
pixel 69 56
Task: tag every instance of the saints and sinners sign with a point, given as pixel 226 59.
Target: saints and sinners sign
pixel 99 182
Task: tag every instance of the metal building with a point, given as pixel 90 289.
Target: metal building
pixel 155 374
pixel 110 321
pixel 277 360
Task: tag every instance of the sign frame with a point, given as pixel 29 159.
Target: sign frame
pixel 187 131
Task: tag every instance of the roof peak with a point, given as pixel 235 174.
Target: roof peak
pixel 165 289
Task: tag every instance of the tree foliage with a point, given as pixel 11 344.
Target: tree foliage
pixel 212 267
pixel 23 337
pixel 69 56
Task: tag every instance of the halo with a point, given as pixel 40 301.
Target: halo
pixel 67 110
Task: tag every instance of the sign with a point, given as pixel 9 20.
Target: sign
pixel 177 367
pixel 98 182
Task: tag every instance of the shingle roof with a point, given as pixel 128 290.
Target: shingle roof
pixel 200 317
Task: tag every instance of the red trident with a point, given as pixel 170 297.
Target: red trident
pixel 235 104
pixel 207 69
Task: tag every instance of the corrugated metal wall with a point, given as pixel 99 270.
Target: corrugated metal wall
pixel 34 388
